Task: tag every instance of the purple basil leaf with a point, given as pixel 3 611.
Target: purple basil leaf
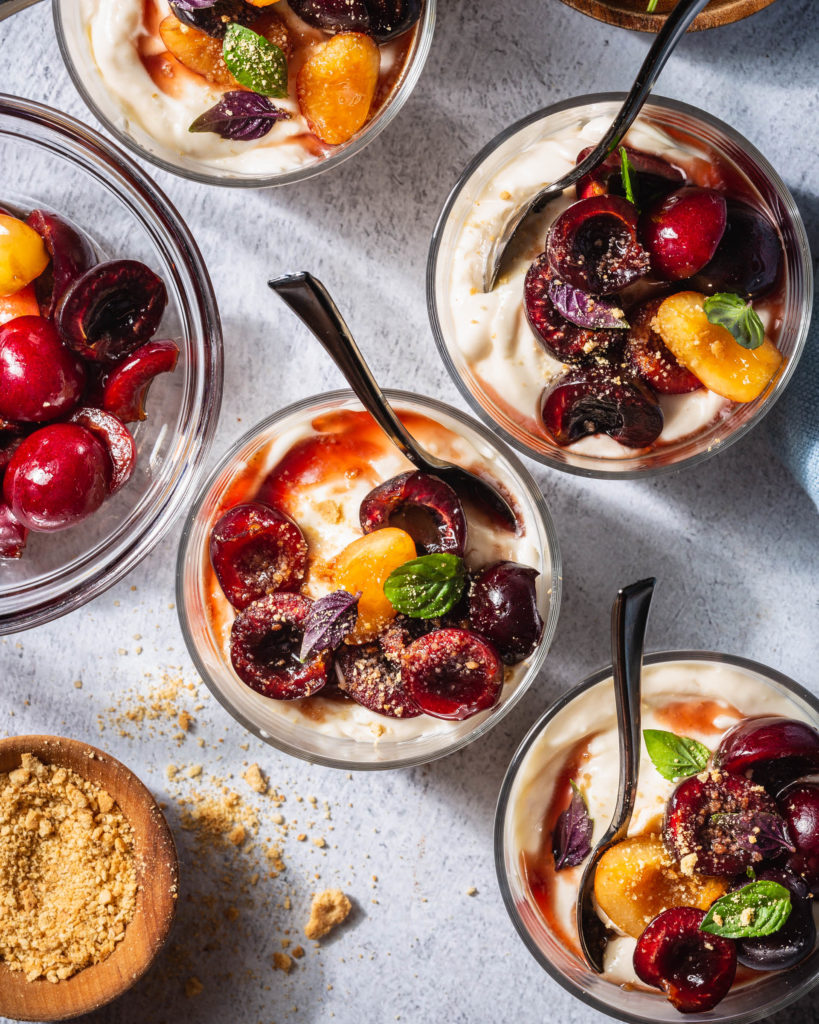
pixel 328 622
pixel 194 5
pixel 759 831
pixel 571 839
pixel 590 311
pixel 240 115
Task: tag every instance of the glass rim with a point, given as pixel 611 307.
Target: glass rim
pixel 417 60
pixel 523 477
pixel 602 471
pixel 98 570
pixel 789 995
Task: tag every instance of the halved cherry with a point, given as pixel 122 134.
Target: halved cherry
pixel 127 384
pixel 256 549
pixel 749 257
pixel 381 19
pixel 365 674
pixel 649 357
pixel 423 506
pixel 503 608
pixel 693 968
pixel 695 825
pixel 71 256
pixel 772 750
pixel 265 640
pixel 214 18
pixel 654 176
pixel 452 674
pixel 13 535
pixel 116 437
pixel 593 245
pixel 111 310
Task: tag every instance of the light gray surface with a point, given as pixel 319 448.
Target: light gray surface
pixel 733 542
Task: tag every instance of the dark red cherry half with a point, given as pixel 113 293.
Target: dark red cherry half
pixel 791 943
pixel 770 749
pixel 365 674
pixel 452 673
pixel 749 257
pixel 654 176
pixel 256 549
pixel 381 19
pixel 424 506
pixel 126 386
pixel 503 608
pixel 682 231
pixel 693 968
pixel 117 439
pixel 112 309
pixel 593 245
pixel 691 828
pixel 265 641
pixel 649 358
pixel 214 20
pixel 71 256
pixel 596 400
pixel 13 535
pixel 41 379
pixel 799 805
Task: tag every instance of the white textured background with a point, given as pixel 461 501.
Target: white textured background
pixel 733 543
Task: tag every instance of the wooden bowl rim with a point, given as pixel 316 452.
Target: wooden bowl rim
pixel 157 874
pixel 611 12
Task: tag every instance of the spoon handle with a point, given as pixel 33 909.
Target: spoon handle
pixel 9 7
pixel 629 617
pixel 312 304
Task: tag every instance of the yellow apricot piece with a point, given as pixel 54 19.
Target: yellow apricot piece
pixel 336 85
pixel 711 352
pixel 23 256
pixel 365 565
pixel 637 879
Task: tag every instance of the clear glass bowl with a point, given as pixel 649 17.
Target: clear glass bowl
pixel 749 1002
pixel 258 713
pixel 53 161
pixel 75 46
pixel 685 123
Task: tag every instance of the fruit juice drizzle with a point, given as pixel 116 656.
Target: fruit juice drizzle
pixel 171 76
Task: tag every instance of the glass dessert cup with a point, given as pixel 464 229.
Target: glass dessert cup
pixel 74 40
pixel 298 734
pixel 76 173
pixel 519 425
pixel 548 741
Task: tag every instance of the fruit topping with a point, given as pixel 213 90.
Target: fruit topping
pixel 22 303
pixel 58 476
pixel 23 255
pixel 561 337
pixel 790 943
pixel 452 674
pixel 40 378
pixel 799 806
pixel 694 969
pixel 652 176
pixel 10 441
pixel 424 506
pixel 382 19
pixel 749 256
pixel 71 256
pixel 703 819
pixel 710 351
pixel 111 310
pixel 117 439
pixel 593 245
pixel 637 879
pixel 770 749
pixel 265 640
pixel 336 86
pixel 126 386
pixel 364 566
pixel 649 358
pixel 12 534
pixel 214 19
pixel 595 400
pixel 198 51
pixel 503 608
pixel 366 675
pixel 257 550
pixel 682 231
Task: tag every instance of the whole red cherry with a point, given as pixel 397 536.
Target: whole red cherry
pixel 40 378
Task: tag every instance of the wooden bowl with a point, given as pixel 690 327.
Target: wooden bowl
pixel 632 13
pixel 157 877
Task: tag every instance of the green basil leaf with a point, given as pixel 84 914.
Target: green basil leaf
pixel 625 172
pixel 254 61
pixel 737 316
pixel 427 586
pixel 758 909
pixel 675 757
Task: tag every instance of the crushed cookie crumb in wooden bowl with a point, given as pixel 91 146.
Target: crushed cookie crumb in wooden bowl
pixel 88 878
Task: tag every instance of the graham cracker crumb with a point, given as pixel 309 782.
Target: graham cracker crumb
pixel 298 952
pixel 255 779
pixel 193 987
pixel 282 962
pixel 328 910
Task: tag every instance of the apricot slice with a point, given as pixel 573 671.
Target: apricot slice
pixel 364 566
pixel 710 351
pixel 638 879
pixel 336 86
pixel 23 255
